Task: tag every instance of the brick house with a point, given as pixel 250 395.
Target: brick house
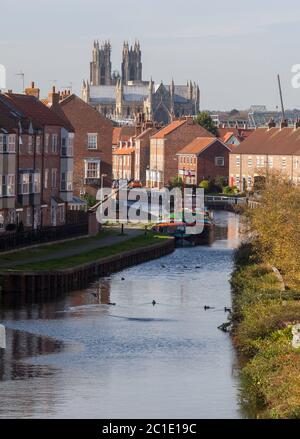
pixel 142 154
pixel 265 150
pixel 44 161
pixel 165 145
pixel 8 149
pixel 205 158
pixel 123 162
pixel 92 147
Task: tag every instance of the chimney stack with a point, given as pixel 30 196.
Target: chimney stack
pixel 284 124
pixel 33 91
pixel 272 124
pixel 53 97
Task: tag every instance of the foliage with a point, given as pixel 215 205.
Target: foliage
pixel 205 184
pixel 90 199
pixel 204 119
pixel 275 224
pixel 176 182
pixel 230 190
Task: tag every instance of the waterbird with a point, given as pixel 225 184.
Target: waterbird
pixel 197 267
pixel 153 302
pixel 123 278
pixel 111 304
pixel 227 309
pixel 207 307
pixel 163 266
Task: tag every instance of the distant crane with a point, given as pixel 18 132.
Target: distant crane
pixel 22 75
pixel 281 99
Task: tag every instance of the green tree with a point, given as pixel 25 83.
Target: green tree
pixel 176 182
pixel 204 119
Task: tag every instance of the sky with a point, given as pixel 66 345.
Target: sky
pixel 233 49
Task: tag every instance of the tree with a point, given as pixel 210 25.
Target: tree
pixel 204 119
pixel 176 182
pixel 274 226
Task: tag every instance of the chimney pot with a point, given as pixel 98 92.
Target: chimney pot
pixel 32 84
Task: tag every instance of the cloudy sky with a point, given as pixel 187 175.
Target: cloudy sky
pixel 233 49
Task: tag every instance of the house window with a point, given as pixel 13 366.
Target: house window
pixel 283 162
pixel 54 143
pixel 2 228
pixel 64 147
pixel 219 161
pixel 36 183
pixel 260 161
pixel 54 178
pixel 38 145
pixel 249 182
pixel 30 145
pixel 92 169
pixel 28 216
pixel 238 160
pixel 250 162
pixel 92 141
pixel 47 142
pixel 46 178
pixel 270 162
pixel 67 181
pixel 62 213
pixel 25 180
pixel 12 143
pixel 8 185
pixel 70 145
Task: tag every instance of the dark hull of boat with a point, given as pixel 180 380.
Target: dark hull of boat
pixel 206 237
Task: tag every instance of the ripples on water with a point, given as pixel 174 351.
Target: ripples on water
pixel 80 357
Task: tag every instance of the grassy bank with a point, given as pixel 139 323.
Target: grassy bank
pixel 49 249
pixel 93 255
pixel 263 316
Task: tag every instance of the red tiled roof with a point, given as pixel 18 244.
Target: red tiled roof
pixel 199 144
pixel 123 151
pixel 169 129
pixel 34 109
pixel 240 133
pixel 148 132
pixel 274 141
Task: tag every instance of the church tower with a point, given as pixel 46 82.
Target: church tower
pixel 100 67
pixel 132 68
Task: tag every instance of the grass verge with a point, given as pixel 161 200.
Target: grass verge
pixel 262 319
pixel 93 255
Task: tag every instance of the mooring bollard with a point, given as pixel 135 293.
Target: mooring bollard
pixel 2 337
pixel 122 229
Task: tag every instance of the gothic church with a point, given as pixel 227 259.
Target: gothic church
pixel 121 97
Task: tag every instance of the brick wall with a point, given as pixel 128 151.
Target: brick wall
pixel 86 120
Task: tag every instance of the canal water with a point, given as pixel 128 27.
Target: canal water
pixel 79 357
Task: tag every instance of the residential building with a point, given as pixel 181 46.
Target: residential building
pixel 121 97
pixel 43 160
pixel 165 145
pixel 267 149
pixel 92 144
pixel 233 136
pixel 142 153
pixel 205 158
pixel 8 150
pixel 124 161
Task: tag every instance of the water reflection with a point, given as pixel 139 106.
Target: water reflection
pixel 133 359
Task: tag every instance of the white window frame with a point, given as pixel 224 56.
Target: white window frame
pixel 87 171
pixel 54 143
pixel 92 141
pixel 54 178
pixel 2 224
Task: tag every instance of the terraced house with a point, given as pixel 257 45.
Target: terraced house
pixel 164 146
pixel 265 150
pixel 37 163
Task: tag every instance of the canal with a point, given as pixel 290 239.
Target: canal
pixel 79 357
